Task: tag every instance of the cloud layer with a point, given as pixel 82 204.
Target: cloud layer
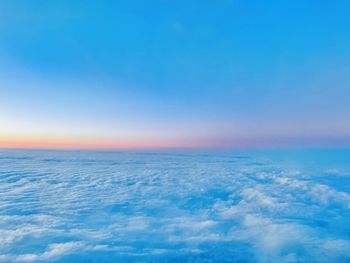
pixel 191 207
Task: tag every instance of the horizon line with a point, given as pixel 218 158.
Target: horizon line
pixel 203 148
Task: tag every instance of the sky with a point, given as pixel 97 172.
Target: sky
pixel 139 74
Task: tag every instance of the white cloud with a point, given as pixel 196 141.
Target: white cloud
pixel 59 204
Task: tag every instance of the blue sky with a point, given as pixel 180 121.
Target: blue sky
pixel 167 73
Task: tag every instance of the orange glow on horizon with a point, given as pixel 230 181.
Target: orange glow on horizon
pixel 70 142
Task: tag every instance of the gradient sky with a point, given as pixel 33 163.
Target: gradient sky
pixel 109 74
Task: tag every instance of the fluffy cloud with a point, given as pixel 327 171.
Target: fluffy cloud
pixel 75 206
